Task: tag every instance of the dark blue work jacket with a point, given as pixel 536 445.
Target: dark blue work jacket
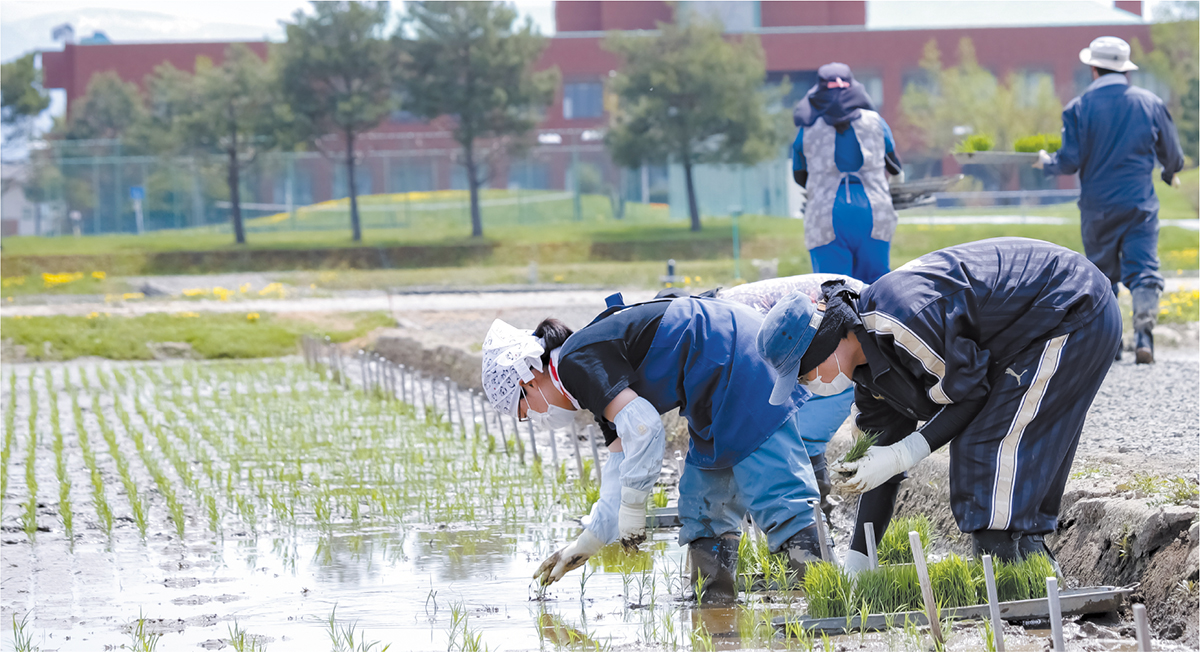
pixel 702 359
pixel 1111 135
pixel 934 329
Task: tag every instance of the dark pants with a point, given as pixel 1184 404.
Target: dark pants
pixel 1008 468
pixel 1123 243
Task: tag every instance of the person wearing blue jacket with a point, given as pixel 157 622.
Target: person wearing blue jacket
pixel 634 363
pixel 1111 136
pixel 842 155
pixel 997 346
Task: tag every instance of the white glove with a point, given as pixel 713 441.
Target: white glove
pixel 631 518
pixel 1043 160
pixel 568 559
pixel 602 520
pixel 879 464
pixel 855 563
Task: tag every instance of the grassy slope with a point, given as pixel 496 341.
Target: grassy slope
pixel 210 335
pixel 548 223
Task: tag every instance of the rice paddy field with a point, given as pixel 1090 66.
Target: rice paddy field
pixel 274 505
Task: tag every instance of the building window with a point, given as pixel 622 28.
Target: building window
pixel 583 100
pixel 458 176
pixel 529 175
pixel 362 180
pixel 1031 84
pixel 873 83
pixel 415 176
pixel 921 79
pixel 735 15
pixel 801 81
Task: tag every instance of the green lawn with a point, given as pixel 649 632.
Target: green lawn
pixel 211 335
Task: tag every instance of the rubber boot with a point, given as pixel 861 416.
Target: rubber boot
pixel 1145 316
pixel 1002 545
pixel 803 549
pixel 1035 544
pixel 714 560
pixel 821 470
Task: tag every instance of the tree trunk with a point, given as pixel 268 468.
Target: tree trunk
pixel 235 196
pixel 355 226
pixel 473 185
pixel 693 209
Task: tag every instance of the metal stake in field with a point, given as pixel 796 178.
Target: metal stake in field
pixel 578 457
pixel 532 441
pixel 1056 633
pixel 595 453
pixel 931 609
pixel 517 438
pixel 826 555
pixel 989 577
pixel 458 408
pixel 449 405
pixel 1142 628
pixel 554 447
pixel 471 400
pixel 482 413
pixel 872 554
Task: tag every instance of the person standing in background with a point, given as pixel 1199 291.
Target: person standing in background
pixel 842 156
pixel 1111 135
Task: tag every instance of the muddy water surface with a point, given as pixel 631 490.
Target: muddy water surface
pixel 261 496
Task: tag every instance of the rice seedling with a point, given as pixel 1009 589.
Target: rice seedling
pixel 858 449
pixel 1023 580
pixel 346 638
pixel 10 436
pixel 29 518
pixel 888 589
pixel 141 638
pixel 660 497
pixel 461 637
pixel 242 641
pixel 988 634
pixel 60 463
pixel 99 500
pixel 894 547
pixel 22 640
pixel 701 638
pixel 954 584
pixel 136 505
pixel 829 590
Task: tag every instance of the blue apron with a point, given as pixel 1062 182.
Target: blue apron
pixel 703 361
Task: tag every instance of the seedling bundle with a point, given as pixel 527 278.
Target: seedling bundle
pixel 893 588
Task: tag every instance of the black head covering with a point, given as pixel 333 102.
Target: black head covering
pixel 840 317
pixel 837 105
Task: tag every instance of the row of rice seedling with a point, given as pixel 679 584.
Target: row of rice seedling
pixel 136 504
pixel 10 436
pixel 65 512
pixel 29 518
pixel 99 500
pixel 956 582
pixel 165 485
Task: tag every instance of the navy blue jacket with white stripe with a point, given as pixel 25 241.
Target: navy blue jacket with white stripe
pixel 935 330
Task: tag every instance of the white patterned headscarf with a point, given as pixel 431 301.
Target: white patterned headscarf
pixel 509 355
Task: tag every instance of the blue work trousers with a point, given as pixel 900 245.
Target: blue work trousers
pixel 1009 466
pixel 853 251
pixel 1123 243
pixel 774 484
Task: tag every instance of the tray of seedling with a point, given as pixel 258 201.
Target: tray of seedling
pixel 901 583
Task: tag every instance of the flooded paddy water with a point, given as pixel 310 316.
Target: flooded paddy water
pixel 261 506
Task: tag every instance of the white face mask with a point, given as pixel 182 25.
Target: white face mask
pixel 553 418
pixel 821 388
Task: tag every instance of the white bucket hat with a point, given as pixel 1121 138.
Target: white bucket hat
pixel 1108 52
pixel 509 354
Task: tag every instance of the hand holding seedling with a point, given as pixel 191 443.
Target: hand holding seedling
pixel 878 464
pixel 568 558
pixel 631 518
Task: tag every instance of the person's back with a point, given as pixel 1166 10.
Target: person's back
pixel 1119 134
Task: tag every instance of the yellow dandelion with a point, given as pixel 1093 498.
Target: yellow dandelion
pixel 222 293
pixel 252 317
pixel 133 295
pixel 99 276
pixel 195 292
pixel 93 315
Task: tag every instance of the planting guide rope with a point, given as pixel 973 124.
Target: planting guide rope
pixel 435 400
